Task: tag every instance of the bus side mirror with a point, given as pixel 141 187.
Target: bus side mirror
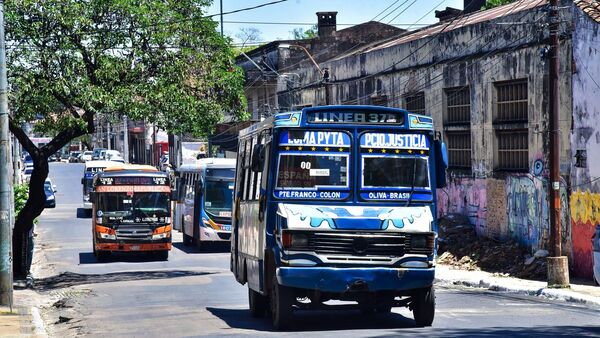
pixel 82 180
pixel 441 163
pixel 174 195
pixel 258 157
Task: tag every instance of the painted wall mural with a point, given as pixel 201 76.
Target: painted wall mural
pixel 585 215
pixel 465 196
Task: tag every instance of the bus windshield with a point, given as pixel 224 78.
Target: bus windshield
pixel 218 196
pixel 140 207
pixel 395 172
pixel 308 170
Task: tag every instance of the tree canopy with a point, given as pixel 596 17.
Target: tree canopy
pixel 300 33
pixel 161 61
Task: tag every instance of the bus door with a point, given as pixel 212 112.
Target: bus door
pixel 197 210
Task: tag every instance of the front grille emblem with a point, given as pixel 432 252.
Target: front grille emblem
pixel 360 245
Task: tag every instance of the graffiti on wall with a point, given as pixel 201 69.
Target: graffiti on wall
pixel 465 196
pixel 585 215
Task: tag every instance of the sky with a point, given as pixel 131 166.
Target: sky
pixel 294 13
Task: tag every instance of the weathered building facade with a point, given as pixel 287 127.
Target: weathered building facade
pixel 483 77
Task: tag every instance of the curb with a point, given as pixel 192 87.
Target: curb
pixel 551 294
pixel 39 329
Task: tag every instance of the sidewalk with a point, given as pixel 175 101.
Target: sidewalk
pixel 577 293
pixel 25 319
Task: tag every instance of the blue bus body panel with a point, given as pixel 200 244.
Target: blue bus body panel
pixel 338 280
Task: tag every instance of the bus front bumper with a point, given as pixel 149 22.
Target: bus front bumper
pixel 339 280
pixel 127 247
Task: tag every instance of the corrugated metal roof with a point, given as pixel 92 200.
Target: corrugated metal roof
pixel 461 21
pixel 590 7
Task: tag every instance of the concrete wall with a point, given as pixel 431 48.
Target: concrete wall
pixel 585 140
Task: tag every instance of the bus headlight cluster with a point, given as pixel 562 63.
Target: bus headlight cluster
pixel 107 236
pixel 161 236
pixel 294 240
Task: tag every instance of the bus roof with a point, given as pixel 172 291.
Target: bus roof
pixel 343 116
pixel 117 166
pixel 212 162
pixel 99 164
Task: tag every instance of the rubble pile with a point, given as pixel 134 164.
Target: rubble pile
pixel 460 247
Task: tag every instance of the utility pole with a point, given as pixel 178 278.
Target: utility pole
pixel 125 140
pixel 108 133
pixel 558 266
pixel 221 17
pixel 6 282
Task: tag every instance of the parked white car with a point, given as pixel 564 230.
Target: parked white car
pixel 86 156
pixel 110 154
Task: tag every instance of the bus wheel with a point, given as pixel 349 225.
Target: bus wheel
pixel 257 302
pixel 187 240
pixel 162 255
pixel 281 305
pixel 423 306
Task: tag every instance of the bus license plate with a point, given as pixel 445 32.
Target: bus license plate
pixel 134 247
pixel 226 228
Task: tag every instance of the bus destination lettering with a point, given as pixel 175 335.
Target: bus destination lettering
pixel 310 194
pixel 383 195
pixel 316 138
pixel 133 181
pixel 354 117
pixel 400 141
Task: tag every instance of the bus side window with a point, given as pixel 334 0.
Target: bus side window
pixel 240 169
pixel 251 174
pixel 258 174
pixel 247 156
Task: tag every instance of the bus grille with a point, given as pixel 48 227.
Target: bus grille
pixel 134 233
pixel 366 244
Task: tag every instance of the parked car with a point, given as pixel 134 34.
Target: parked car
pixel 52 158
pixel 27 161
pixel 596 254
pixel 96 154
pixel 49 181
pixel 27 173
pixel 74 156
pixel 86 156
pixel 110 154
pixel 64 157
pixel 50 197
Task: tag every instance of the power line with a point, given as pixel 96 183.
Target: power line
pixel 246 9
pixel 388 7
pixel 313 24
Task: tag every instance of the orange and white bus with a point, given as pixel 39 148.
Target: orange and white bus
pixel 131 211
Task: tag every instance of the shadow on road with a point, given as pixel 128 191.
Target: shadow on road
pixel 217 247
pixel 84 213
pixel 129 257
pixel 68 279
pixel 316 320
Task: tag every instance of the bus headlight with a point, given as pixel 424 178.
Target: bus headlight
pixel 294 240
pixel 107 236
pixel 161 236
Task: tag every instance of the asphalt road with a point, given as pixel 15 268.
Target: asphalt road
pixel 194 294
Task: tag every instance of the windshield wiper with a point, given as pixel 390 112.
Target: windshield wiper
pixel 412 186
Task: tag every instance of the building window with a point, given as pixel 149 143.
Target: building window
pixel 511 101
pixel 513 150
pixel 416 103
pixel 510 125
pixel 459 149
pixel 458 105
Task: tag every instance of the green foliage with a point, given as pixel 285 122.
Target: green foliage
pixel 155 60
pixel 300 33
pixel 21 193
pixel 495 3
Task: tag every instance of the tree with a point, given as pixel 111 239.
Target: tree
pixel 249 37
pixel 70 60
pixel 301 34
pixel 489 4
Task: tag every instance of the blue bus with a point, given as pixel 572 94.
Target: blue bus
pixel 338 203
pixel 203 209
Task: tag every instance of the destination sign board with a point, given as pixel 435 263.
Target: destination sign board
pixel 133 180
pixel 355 117
pixel 314 138
pixel 394 141
pixel 311 194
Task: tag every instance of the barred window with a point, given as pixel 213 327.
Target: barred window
pixel 459 149
pixel 416 103
pixel 513 150
pixel 458 105
pixel 511 101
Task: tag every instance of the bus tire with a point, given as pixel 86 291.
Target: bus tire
pixel 162 255
pixel 187 240
pixel 423 306
pixel 257 303
pixel 282 298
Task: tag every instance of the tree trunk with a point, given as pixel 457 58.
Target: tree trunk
pixel 37 197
